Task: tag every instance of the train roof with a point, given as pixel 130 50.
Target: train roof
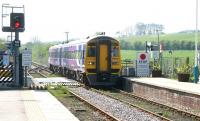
pixel 89 39
pixel 80 41
pixel 55 46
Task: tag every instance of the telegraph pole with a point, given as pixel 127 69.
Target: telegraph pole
pixel 158 43
pixel 67 36
pixel 196 71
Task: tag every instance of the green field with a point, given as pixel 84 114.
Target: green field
pixel 162 37
pixel 131 54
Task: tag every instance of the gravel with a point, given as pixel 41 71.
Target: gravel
pixel 116 108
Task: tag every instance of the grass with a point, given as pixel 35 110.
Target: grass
pixel 132 54
pixel 163 37
pixel 58 91
pixel 54 75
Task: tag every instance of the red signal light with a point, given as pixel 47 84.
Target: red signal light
pixel 17 24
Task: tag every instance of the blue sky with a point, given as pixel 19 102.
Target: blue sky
pixel 49 19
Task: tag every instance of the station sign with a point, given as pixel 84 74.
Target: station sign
pixel 26 57
pixel 142 65
pixel 16 43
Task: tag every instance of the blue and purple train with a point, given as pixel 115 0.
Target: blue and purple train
pixel 94 61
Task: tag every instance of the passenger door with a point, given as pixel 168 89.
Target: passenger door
pixel 103 57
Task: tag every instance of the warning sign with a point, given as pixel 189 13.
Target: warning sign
pixel 142 65
pixel 26 57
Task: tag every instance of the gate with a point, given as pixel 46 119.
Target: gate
pixel 6 73
pixel 169 65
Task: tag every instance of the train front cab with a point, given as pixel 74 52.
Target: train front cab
pixel 103 62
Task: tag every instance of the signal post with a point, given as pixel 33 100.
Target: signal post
pixel 17 24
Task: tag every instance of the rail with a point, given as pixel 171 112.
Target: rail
pixel 125 102
pixel 188 114
pixel 109 116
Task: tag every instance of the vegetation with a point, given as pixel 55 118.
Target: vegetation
pixel 176 41
pixel 148 29
pixel 2 44
pixel 39 50
pixel 132 54
pixel 181 44
pixel 58 91
pixel 156 66
pixel 185 68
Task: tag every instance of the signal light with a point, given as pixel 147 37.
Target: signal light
pixel 17 24
pixel 17 21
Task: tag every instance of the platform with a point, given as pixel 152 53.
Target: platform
pixel 187 87
pixel 32 105
pixel 182 95
pixel 55 81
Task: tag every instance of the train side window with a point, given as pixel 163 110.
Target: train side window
pixel 79 54
pixel 65 55
pixel 83 55
pixel 115 51
pixel 91 51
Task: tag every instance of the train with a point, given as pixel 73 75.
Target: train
pixel 94 61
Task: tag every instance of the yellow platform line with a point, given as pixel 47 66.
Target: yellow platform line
pixel 32 109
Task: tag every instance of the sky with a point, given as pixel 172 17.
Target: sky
pixel 48 20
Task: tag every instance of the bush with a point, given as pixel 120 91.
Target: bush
pixel 184 69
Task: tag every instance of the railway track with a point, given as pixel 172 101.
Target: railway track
pixel 162 111
pixel 109 116
pixel 122 111
pixel 38 70
pixel 187 114
pixel 155 108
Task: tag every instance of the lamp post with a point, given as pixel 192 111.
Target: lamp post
pixel 67 36
pixel 196 71
pixel 159 53
pixel 158 44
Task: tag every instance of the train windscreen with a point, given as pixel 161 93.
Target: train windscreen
pixel 91 51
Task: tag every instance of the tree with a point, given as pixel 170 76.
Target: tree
pixel 39 50
pixel 2 44
pixel 148 29
pixel 140 29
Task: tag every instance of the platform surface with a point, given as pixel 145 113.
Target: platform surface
pixel 55 81
pixel 170 84
pixel 32 105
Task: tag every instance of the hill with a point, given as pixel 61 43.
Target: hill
pixel 174 41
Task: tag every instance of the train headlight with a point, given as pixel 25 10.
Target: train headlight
pixel 91 63
pixel 115 62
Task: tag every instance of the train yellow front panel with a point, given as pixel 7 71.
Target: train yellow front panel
pixel 103 57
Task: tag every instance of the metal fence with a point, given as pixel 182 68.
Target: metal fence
pixel 128 68
pixel 168 66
